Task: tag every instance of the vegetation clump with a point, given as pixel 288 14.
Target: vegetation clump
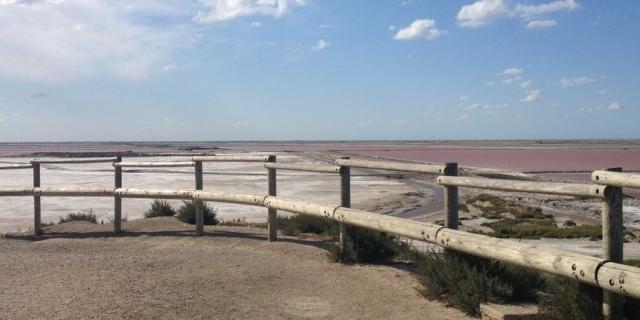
pixel 160 208
pixel 540 228
pixel 465 281
pixel 299 224
pixel 187 212
pixel 523 222
pixel 368 246
pixel 80 216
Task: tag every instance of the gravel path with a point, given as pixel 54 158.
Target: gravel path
pixel 158 270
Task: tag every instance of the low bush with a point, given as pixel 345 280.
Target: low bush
pixel 368 246
pixel 540 228
pixel 187 213
pixel 563 297
pixel 298 224
pixel 465 281
pixel 80 216
pixel 160 208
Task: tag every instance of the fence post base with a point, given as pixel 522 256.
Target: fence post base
pixel 451 198
pixel 117 200
pixel 345 200
pixel 612 242
pixel 37 208
pixel 272 214
pixel 199 205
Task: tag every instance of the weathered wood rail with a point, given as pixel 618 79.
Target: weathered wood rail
pixel 616 279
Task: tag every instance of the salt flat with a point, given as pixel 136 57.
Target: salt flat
pixel 16 213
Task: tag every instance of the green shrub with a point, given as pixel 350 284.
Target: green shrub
pixel 563 297
pixel 80 216
pixel 160 208
pixel 540 228
pixel 298 224
pixel 187 213
pixel 465 281
pixel 364 245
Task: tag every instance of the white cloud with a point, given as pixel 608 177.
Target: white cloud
pixel 513 71
pixel 255 24
pixel 421 28
pixel 54 40
pixel 532 95
pixel 483 12
pixel 490 83
pixel 614 106
pixel 512 80
pixel 320 45
pixel 223 10
pixel 463 98
pixel 533 10
pixel 541 24
pixel 391 28
pixel 525 84
pixel 463 117
pixel 570 82
pixel 169 67
pixel 471 107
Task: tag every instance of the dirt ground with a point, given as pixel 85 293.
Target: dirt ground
pixel 158 270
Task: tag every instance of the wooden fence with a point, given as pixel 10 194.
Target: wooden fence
pixel 616 279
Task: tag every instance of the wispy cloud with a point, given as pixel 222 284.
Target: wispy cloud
pixel 320 45
pixel 570 82
pixel 614 106
pixel 532 95
pixel 52 40
pixel 482 12
pixel 223 10
pixel 513 71
pixel 471 107
pixel 541 24
pixel 422 28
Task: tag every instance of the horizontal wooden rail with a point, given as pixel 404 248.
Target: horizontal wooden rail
pixel 15 166
pixel 16 192
pixel 393 166
pixel 73 160
pixel 617 179
pixel 153 164
pixel 614 277
pixel 231 158
pixel 557 188
pixel 75 192
pixel 303 167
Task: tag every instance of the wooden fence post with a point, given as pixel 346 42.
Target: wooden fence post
pixel 451 198
pixel 345 199
pixel 198 203
pixel 612 242
pixel 37 220
pixel 117 200
pixel 272 219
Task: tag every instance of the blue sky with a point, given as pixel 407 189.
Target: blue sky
pixel 318 69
